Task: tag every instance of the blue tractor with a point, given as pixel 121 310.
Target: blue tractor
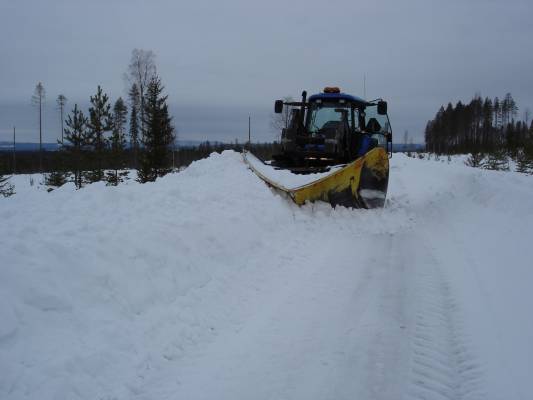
pixel 330 128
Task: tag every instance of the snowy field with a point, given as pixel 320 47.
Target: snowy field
pixel 207 285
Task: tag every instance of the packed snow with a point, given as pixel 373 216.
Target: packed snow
pixel 208 285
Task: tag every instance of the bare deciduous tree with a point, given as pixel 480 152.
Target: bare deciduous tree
pixel 280 121
pixel 37 100
pixel 141 70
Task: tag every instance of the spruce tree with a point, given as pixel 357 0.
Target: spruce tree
pixel 117 142
pixel 76 141
pixel 100 122
pixel 158 134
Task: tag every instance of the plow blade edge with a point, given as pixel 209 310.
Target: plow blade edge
pixel 359 184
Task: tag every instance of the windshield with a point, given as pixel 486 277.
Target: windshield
pixel 377 125
pixel 327 116
pixel 372 116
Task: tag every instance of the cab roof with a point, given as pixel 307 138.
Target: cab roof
pixel 337 97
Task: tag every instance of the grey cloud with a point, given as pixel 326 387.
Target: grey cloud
pixel 242 55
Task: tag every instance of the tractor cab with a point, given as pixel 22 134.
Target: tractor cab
pixel 332 127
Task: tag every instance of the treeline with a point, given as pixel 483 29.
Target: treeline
pixel 488 129
pixel 27 162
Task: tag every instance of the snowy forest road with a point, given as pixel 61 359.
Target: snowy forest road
pixel 337 329
pixel 207 285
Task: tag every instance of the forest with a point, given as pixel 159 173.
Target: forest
pixel 487 129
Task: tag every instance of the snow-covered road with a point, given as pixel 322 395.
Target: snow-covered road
pixel 206 285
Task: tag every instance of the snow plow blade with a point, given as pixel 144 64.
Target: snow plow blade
pixel 359 184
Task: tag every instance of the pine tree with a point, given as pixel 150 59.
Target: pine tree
pixel 58 177
pixel 497 109
pixel 75 142
pixel 117 142
pixel 488 112
pixel 61 103
pixel 135 103
pixel 158 134
pixel 37 100
pixel 100 122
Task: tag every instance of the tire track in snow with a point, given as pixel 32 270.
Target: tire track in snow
pixel 442 366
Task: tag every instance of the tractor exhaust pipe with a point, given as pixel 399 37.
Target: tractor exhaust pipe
pixel 302 109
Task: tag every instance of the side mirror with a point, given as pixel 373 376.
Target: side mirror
pixel 278 106
pixel 382 107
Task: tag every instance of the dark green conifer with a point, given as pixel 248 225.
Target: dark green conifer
pixel 158 134
pixel 76 141
pixel 99 123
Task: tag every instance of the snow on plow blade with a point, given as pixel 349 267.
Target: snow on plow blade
pixel 359 184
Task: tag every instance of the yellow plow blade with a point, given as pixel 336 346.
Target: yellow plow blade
pixel 359 184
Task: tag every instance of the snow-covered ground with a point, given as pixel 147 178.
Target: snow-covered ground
pixel 462 159
pixel 207 285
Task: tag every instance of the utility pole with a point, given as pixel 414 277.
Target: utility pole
pixel 364 86
pixel 14 150
pixel 249 131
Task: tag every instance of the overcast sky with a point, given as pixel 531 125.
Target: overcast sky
pixel 223 60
